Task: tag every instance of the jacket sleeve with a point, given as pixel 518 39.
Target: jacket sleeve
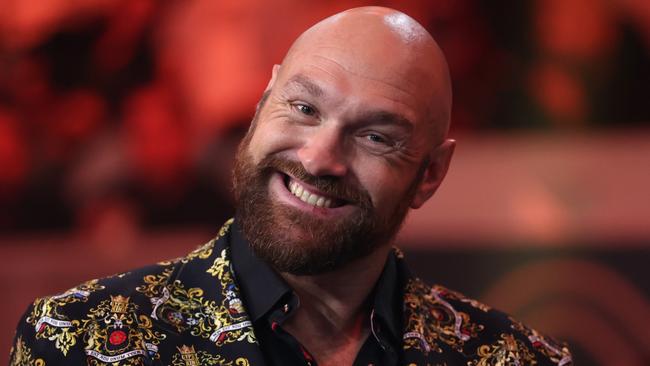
pixel 42 341
pixel 22 351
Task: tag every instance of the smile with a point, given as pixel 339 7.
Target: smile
pixel 308 197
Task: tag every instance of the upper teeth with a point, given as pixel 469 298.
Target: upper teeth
pixel 308 197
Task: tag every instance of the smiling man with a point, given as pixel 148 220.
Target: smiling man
pixel 349 135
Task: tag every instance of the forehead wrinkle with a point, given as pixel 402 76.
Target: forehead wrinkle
pixel 365 76
pixel 331 60
pixel 303 82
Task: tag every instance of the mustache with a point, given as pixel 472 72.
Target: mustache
pixel 330 185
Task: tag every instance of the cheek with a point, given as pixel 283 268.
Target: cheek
pixel 386 184
pixel 272 138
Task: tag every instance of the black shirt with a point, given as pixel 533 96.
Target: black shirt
pixel 270 302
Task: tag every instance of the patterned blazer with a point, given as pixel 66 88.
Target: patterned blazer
pixel 188 312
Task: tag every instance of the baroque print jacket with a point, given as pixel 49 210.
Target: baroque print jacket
pixel 188 312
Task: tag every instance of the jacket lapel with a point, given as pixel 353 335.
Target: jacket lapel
pixel 197 304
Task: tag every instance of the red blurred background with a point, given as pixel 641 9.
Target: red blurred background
pixel 119 120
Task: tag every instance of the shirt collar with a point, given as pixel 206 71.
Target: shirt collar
pixel 387 298
pixel 262 288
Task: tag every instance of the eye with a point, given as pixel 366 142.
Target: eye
pixel 377 138
pixel 376 143
pixel 305 109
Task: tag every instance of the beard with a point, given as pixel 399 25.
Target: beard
pixel 295 242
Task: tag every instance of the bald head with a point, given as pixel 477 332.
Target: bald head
pixel 385 45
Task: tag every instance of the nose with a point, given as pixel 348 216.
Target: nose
pixel 322 154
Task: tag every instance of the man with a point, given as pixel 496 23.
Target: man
pixel 349 135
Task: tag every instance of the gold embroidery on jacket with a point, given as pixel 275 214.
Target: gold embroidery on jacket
pixel 21 355
pixel 113 332
pixel 187 356
pixel 187 309
pixel 431 319
pixel 507 351
pixel 558 353
pixel 50 324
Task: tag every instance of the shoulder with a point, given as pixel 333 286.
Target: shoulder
pixel 66 327
pixel 52 327
pixel 440 320
pixel 122 317
pixel 77 301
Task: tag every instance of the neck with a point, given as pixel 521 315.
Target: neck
pixel 334 305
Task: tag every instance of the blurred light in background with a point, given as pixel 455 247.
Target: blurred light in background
pixel 119 120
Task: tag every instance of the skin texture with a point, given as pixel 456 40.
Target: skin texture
pixel 363 98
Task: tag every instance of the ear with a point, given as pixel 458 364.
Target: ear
pixel 274 75
pixel 434 173
pixel 265 95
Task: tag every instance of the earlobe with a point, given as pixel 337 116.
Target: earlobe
pixel 274 75
pixel 435 172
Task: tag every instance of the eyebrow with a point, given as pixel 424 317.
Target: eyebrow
pixel 382 117
pixel 303 82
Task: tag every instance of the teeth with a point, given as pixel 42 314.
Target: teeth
pixel 297 191
pixel 308 197
pixel 312 199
